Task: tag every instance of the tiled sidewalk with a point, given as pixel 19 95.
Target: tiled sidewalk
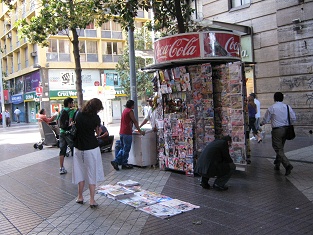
pixel 35 199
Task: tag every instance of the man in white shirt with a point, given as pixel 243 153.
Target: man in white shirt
pixel 17 113
pixel 150 116
pixel 7 118
pixel 277 114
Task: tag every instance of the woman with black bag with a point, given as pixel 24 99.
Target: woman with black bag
pixel 87 162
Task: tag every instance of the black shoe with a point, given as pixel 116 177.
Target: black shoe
pixel 115 165
pixel 205 185
pixel 220 188
pixel 127 166
pixel 276 168
pixel 288 169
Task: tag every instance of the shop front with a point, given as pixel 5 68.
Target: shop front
pixel 32 106
pixel 31 100
pixel 201 92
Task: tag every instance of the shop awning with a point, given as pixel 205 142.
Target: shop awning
pixel 173 64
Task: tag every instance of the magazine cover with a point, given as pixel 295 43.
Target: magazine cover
pixel 160 211
pixel 128 183
pixel 137 201
pixel 180 205
pixel 153 196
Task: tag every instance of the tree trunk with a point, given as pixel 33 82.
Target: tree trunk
pixel 179 17
pixel 78 69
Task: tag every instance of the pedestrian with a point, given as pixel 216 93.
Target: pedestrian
pixel 216 161
pixel 87 162
pixel 50 121
pixel 127 122
pixel 17 113
pixel 150 115
pixel 7 118
pixel 63 141
pixel 278 115
pixel 252 110
pixel 103 136
pixel 257 115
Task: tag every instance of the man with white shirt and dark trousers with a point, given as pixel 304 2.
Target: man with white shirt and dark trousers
pixel 277 114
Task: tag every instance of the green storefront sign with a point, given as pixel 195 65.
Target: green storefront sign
pixel 63 94
pixel 30 96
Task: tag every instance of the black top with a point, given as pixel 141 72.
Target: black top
pixel 214 159
pixel 86 126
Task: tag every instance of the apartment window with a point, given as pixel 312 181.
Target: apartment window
pixel 116 26
pixel 24 9
pixel 238 3
pixel 88 51
pixel 12 64
pixel 26 57
pixel 19 66
pixel 32 5
pixel 112 51
pixel 89 31
pixel 140 14
pixel 58 50
pixel 105 26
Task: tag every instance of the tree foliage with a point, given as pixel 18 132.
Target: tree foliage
pixel 170 16
pixel 65 16
pixel 143 41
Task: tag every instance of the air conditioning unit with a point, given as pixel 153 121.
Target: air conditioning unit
pixel 33 54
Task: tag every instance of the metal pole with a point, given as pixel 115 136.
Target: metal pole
pixel 2 94
pixel 133 84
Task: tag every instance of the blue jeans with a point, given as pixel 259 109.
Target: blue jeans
pixel 126 143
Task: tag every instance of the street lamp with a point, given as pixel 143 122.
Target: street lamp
pixel 2 94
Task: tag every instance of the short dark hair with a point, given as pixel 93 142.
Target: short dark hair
pixel 130 103
pixel 41 111
pixel 253 95
pixel 67 101
pixel 278 96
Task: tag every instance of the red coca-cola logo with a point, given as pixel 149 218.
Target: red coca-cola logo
pixel 178 47
pixel 233 46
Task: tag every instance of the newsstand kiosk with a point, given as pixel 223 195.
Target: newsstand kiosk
pixel 201 90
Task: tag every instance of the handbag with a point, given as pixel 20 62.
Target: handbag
pixel 71 134
pixel 290 133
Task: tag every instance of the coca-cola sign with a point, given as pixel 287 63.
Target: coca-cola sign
pixel 221 45
pixel 184 46
pixel 200 45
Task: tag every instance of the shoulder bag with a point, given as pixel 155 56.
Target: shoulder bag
pixel 290 133
pixel 72 133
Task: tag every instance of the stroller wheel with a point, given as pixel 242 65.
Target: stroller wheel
pixel 35 146
pixel 40 147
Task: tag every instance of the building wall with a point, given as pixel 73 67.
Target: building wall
pixel 283 56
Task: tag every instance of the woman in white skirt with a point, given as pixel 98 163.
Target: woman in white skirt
pixel 87 161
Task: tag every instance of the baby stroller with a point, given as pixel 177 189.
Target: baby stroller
pixel 48 138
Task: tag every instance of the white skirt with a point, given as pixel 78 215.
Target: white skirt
pixel 87 166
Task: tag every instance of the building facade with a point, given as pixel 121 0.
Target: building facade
pixel 36 77
pixel 282 49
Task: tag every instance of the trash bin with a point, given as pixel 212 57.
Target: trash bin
pixel 118 146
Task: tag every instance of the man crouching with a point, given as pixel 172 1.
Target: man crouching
pixel 216 161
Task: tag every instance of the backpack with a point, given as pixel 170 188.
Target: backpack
pixel 64 120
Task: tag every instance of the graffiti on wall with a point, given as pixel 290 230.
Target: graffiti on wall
pixel 297 82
